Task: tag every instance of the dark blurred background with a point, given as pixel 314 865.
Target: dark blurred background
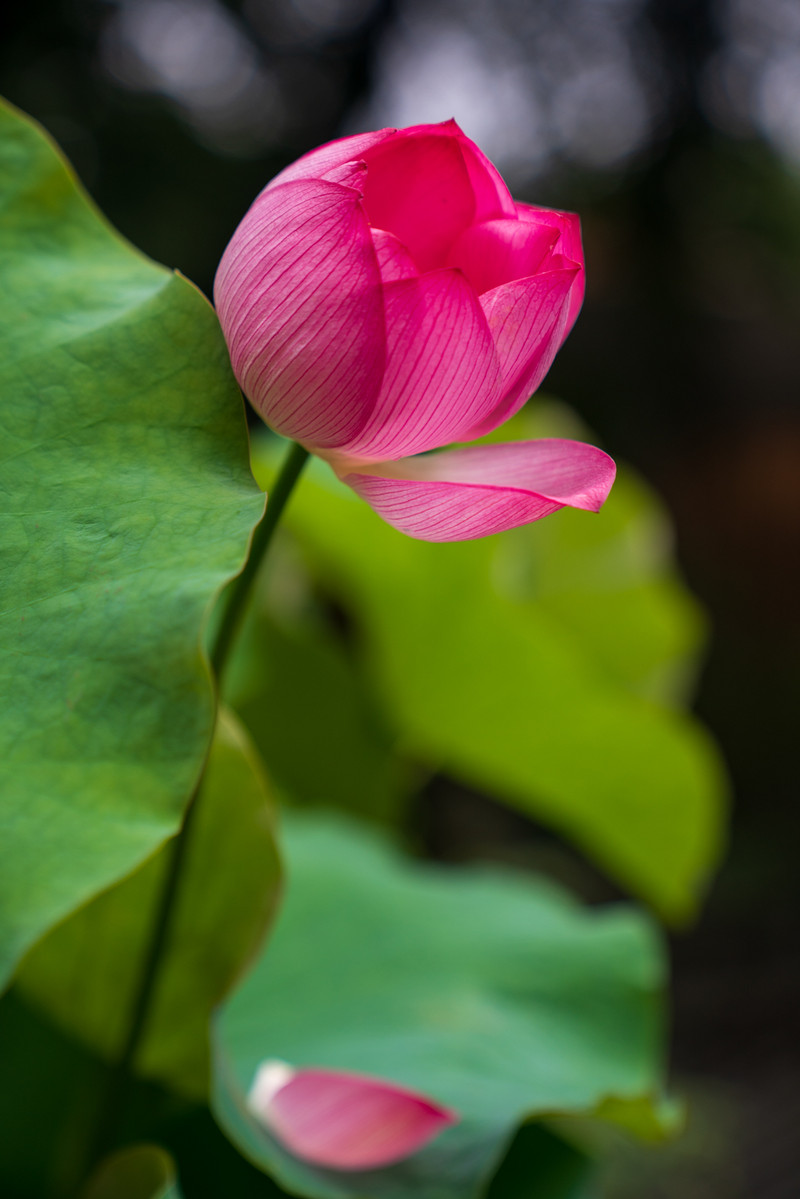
pixel 673 126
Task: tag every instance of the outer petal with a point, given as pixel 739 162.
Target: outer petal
pixel 299 298
pixel 324 159
pixel 500 251
pixel 570 245
pixel 344 1121
pixel 473 492
pixel 418 187
pixel 528 323
pixel 349 174
pixel 442 374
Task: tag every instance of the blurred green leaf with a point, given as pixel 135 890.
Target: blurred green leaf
pixel 138 1172
pixel 308 710
pixel 209 1166
pixel 527 665
pixel 610 582
pixel 493 993
pixel 84 971
pixel 127 504
pixel 51 1092
pixel 648 1119
pixel 48 1090
pixel 541 1165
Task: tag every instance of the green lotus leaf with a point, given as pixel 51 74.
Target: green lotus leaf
pixel 294 686
pixel 544 666
pixel 83 973
pixel 492 992
pixel 127 504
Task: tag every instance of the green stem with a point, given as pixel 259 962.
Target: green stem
pixel 239 590
pixel 119 1077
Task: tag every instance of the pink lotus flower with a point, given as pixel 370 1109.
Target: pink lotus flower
pixel 385 296
pixel 343 1121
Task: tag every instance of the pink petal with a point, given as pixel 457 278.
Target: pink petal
pixel 348 174
pixel 394 260
pixel 418 187
pixel 299 298
pixel 480 490
pixel 442 374
pixel 344 1121
pixel 492 197
pixel 500 251
pixel 319 163
pixel 570 244
pixel 528 323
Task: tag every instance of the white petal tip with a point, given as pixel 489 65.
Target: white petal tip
pixel 269 1078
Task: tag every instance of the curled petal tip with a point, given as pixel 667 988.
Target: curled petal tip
pixel 343 1121
pixel 598 495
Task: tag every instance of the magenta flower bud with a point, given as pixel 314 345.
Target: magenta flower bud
pixel 385 296
pixel 343 1121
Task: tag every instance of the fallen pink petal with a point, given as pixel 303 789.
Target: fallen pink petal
pixel 385 296
pixel 344 1121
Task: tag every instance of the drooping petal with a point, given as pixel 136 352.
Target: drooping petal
pixel 299 298
pixel 321 162
pixel 570 245
pixel 418 187
pixel 480 490
pixel 500 251
pixel 528 323
pixel 344 1121
pixel 394 260
pixel 442 374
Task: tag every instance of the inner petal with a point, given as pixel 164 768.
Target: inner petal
pixel 492 197
pixel 394 260
pixel 418 188
pixel 498 252
pixel 569 245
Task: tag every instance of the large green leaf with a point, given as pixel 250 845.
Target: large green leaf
pixel 541 666
pixel 493 993
pixel 126 504
pixel 83 973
